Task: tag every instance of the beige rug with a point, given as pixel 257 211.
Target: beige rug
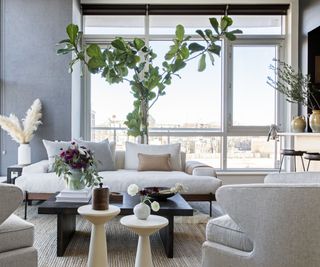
pixel 121 243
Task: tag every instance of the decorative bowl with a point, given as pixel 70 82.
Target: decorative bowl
pixel 153 192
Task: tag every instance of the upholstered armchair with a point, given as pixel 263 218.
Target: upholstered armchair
pixel 266 225
pixel 16 235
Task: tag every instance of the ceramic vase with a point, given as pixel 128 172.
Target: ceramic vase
pixel 314 121
pixel 298 124
pixel 141 211
pixel 24 154
pixel 74 180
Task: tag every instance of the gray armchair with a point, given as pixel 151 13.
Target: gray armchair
pixel 16 235
pixel 267 225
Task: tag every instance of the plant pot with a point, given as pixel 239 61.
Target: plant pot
pixel 314 121
pixel 298 124
pixel 24 154
pixel 74 180
pixel 141 211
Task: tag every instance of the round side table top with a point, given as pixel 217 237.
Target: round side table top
pixel 88 211
pixel 153 221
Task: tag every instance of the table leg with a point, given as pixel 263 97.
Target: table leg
pixel 143 257
pixel 98 247
pixel 166 235
pixel 66 226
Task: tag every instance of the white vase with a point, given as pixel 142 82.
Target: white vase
pixel 24 154
pixel 141 211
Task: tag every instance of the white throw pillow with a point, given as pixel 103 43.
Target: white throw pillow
pixel 132 150
pixel 53 149
pixel 102 154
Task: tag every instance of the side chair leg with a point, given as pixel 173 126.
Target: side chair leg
pixel 210 206
pixel 26 206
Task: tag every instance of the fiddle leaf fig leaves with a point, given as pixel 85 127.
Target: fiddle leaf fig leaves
pixel 134 62
pixel 215 24
pixel 72 31
pixel 179 32
pixel 202 63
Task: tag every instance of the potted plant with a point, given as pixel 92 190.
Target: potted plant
pixel 148 81
pixel 297 88
pixel 78 167
pixel 23 132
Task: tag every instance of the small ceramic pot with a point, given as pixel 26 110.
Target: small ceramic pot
pixel 141 211
pixel 298 124
pixel 314 121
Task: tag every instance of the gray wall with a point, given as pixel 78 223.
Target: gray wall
pixel 309 20
pixel 31 69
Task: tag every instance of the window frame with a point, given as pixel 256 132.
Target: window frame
pixel 226 91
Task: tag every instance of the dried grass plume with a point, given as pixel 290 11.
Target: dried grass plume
pixel 30 123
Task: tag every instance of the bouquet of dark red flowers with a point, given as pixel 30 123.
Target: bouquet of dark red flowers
pixel 77 161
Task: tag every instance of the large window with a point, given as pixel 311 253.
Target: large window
pixel 220 116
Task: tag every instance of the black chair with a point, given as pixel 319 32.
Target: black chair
pixel 310 157
pixel 292 153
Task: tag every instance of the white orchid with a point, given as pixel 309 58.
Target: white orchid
pixel 155 206
pixel 133 189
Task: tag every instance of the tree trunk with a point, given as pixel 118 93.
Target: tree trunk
pixel 144 130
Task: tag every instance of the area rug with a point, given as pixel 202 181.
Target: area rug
pixel 121 243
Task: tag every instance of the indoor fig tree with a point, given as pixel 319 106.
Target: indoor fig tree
pixel 147 81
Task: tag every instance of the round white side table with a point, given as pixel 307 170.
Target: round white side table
pixel 144 228
pixel 98 245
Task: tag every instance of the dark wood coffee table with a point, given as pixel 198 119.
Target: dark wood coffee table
pixel 66 218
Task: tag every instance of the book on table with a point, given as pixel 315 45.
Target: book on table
pixel 67 195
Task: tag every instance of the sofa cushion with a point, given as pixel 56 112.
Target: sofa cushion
pixel 132 150
pixel 15 233
pixel 102 154
pixel 118 181
pixel 154 162
pixel 53 149
pixel 225 231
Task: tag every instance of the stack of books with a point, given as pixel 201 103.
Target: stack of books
pixel 82 196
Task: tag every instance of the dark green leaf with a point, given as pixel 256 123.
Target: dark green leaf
pixel 179 32
pixel 195 47
pixel 72 31
pixel 64 41
pixel 94 50
pixel 230 36
pixel 119 44
pixel 184 52
pixel 216 49
pixel 202 63
pixel 225 22
pixel 215 24
pixel 64 51
pixel 236 31
pixel 178 65
pixel 138 43
pixel 201 34
pixel 208 33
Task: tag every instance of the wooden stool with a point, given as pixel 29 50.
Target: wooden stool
pixel 292 153
pixel 310 157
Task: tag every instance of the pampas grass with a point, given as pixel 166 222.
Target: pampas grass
pixel 30 123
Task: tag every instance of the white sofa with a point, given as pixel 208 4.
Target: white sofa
pixel 272 224
pixel 201 185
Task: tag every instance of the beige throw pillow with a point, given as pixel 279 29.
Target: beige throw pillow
pixel 154 162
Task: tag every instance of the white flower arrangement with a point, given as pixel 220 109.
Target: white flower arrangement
pixel 23 132
pixel 133 190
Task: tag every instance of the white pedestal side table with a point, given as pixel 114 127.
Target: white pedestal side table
pixel 144 228
pixel 98 245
